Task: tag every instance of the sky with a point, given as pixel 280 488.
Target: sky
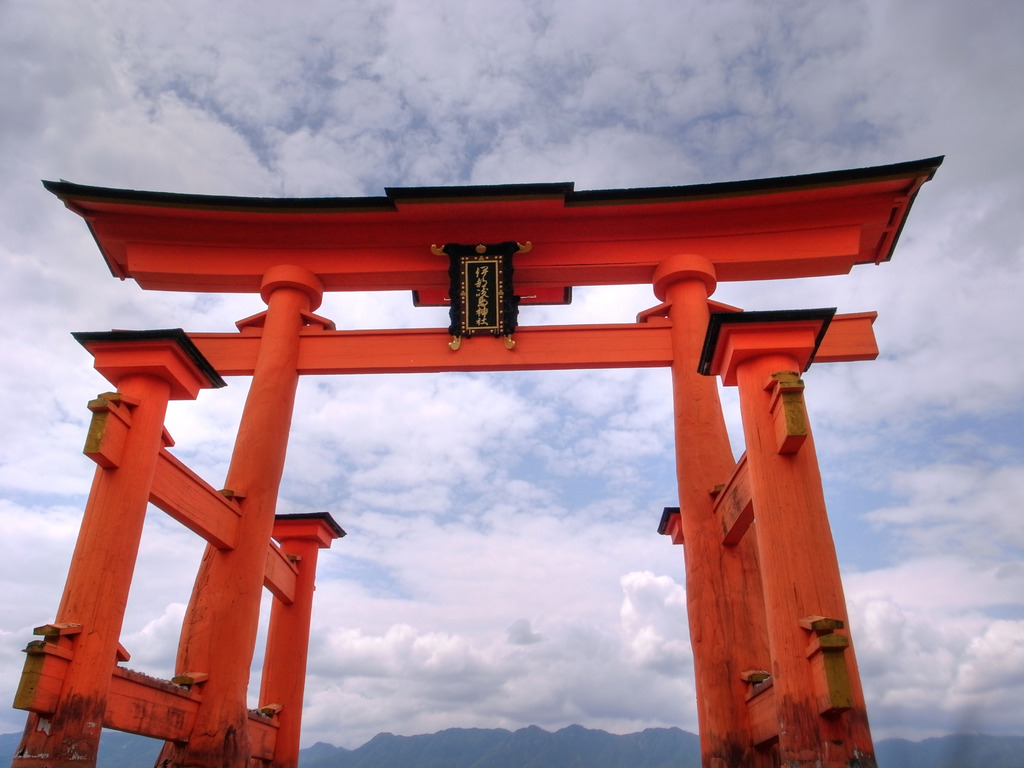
pixel 502 566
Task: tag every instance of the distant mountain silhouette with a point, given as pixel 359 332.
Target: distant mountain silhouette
pixel 572 747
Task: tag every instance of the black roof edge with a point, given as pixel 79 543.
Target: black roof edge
pixel 753 186
pixel 718 319
pixel 177 335
pixel 666 515
pixel 67 190
pixel 327 517
pixel 534 190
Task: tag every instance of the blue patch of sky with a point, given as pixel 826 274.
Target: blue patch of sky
pixel 858 482
pixel 990 439
pixel 373 577
pixel 858 134
pixel 1005 612
pixel 252 134
pixel 48 500
pixel 858 545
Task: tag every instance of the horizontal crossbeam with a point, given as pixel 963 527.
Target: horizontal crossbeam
pixel 425 350
pixel 136 703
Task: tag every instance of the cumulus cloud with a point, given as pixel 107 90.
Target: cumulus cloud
pixel 564 667
pixel 959 659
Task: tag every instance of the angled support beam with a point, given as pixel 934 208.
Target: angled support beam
pixel 280 575
pixel 190 500
pixel 734 505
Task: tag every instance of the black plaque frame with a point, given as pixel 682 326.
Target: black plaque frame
pixel 483 300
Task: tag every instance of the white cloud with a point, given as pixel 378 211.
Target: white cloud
pixel 565 669
pixel 972 509
pixel 957 662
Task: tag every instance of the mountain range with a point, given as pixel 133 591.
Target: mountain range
pixel 572 747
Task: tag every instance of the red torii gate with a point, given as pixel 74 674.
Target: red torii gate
pixel 775 668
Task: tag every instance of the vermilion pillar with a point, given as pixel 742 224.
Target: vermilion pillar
pixel 819 713
pixel 301 537
pixel 723 591
pixel 219 633
pixel 149 368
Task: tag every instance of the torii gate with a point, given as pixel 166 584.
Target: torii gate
pixel 776 674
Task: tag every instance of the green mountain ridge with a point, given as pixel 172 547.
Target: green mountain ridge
pixel 571 747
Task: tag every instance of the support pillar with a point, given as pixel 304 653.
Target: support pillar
pixel 818 706
pixel 218 636
pixel 149 368
pixel 723 590
pixel 301 537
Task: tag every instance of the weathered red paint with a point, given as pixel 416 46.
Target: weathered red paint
pixel 799 569
pixel 723 588
pixel 147 373
pixel 219 632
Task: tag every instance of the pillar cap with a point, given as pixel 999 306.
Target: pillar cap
pixel 290 276
pixel 682 266
pixel 317 526
pixel 166 353
pixel 733 337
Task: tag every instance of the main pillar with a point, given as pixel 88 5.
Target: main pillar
pixel 820 719
pixel 723 591
pixel 149 368
pixel 218 636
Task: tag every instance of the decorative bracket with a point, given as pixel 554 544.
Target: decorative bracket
pixel 111 420
pixel 787 409
pixel 827 654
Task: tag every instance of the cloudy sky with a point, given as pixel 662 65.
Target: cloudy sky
pixel 502 566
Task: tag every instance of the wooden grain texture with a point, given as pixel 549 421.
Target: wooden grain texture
pixel 100 576
pixel 764 722
pixel 800 574
pixel 280 574
pixel 734 506
pixel 221 622
pixel 723 590
pixel 149 707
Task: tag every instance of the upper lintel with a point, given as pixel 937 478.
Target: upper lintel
pixel 794 226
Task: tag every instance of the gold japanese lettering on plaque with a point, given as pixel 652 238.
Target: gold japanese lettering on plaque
pixel 482 297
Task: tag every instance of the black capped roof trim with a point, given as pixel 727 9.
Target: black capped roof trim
pixel 176 335
pixel 718 319
pixel 69 191
pixel 666 516
pixel 324 516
